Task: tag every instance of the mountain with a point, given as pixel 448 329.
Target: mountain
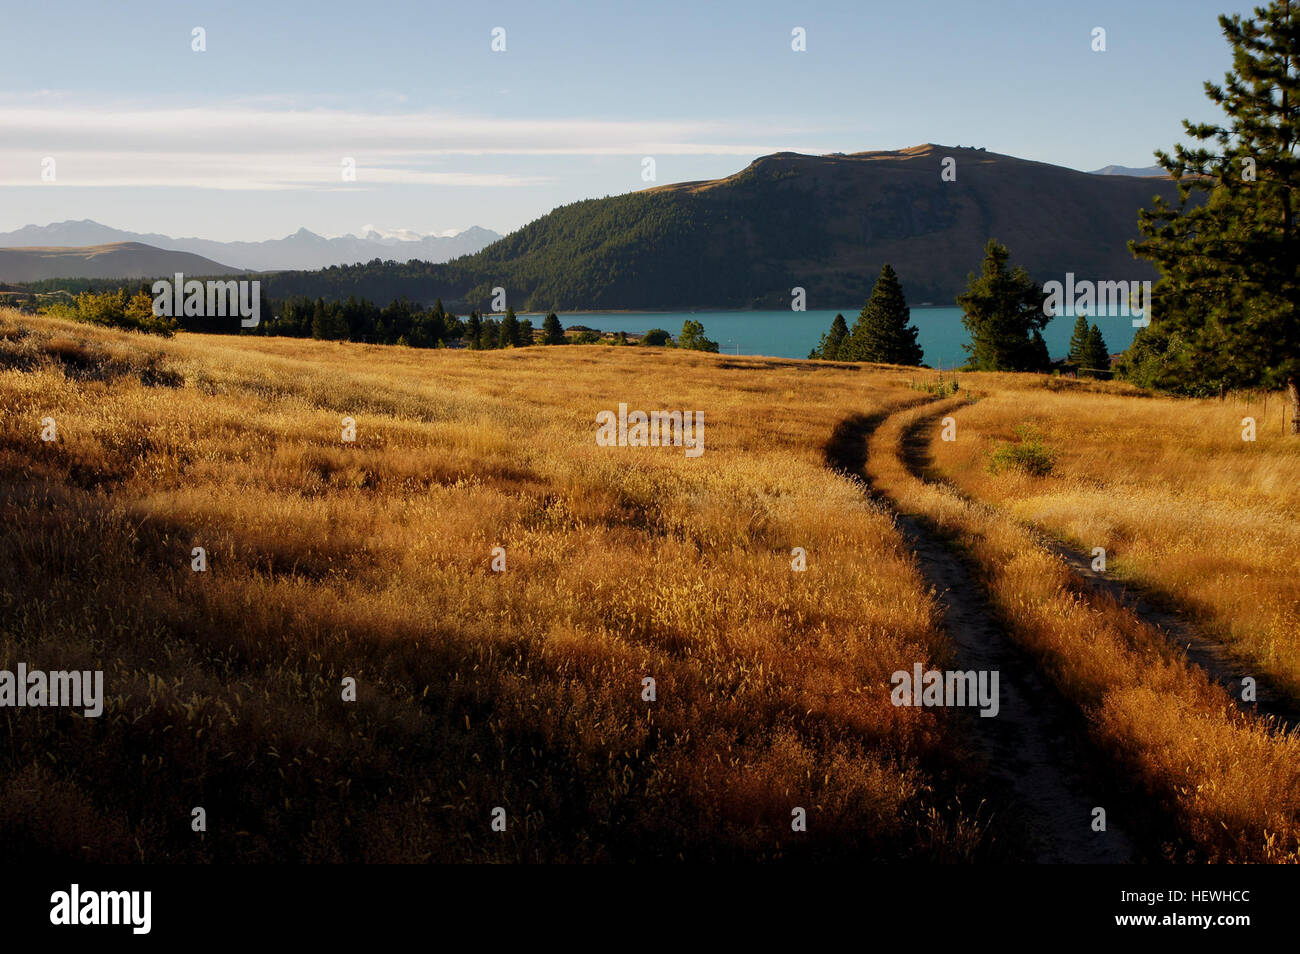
pixel 1146 172
pixel 823 223
pixel 115 260
pixel 301 250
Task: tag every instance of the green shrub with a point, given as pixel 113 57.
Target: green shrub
pixel 940 388
pixel 1030 456
pixel 692 338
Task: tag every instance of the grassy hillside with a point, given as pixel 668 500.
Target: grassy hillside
pixel 115 260
pixel 824 223
pixel 476 689
pixel 523 689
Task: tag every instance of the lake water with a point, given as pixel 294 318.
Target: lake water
pixel 787 334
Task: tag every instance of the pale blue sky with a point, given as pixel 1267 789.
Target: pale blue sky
pixel 246 140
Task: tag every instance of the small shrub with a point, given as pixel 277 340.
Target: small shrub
pixel 1030 456
pixel 940 388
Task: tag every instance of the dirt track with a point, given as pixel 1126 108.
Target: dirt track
pixel 1032 752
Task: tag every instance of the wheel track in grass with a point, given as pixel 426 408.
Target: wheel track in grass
pixel 1032 753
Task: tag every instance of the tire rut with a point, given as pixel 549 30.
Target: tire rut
pixel 1032 750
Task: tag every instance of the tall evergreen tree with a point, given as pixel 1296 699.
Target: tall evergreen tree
pixel 1079 343
pixel 510 337
pixel 1037 358
pixel 474 331
pixel 828 349
pixel 1097 352
pixel 883 332
pixel 1226 310
pixel 319 324
pixel 526 332
pixel 552 330
pixel 1003 311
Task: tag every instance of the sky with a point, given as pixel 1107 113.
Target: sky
pixel 247 139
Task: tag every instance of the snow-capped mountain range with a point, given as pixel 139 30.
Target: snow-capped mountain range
pixel 301 250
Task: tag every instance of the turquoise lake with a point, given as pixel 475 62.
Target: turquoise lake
pixel 786 334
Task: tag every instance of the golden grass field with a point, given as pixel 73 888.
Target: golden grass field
pixel 523 689
pixel 477 689
pixel 1168 487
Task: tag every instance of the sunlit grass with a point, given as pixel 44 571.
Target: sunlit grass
pixel 1230 781
pixel 476 689
pixel 1168 487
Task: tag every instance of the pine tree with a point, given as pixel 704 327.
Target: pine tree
pixel 1079 343
pixel 510 330
pixel 474 331
pixel 1098 354
pixel 882 332
pixel 318 321
pixel 1003 311
pixel 1036 356
pixel 1226 310
pixel 526 332
pixel 828 349
pixel 435 324
pixel 552 330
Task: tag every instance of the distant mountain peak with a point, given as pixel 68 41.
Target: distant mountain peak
pixel 303 249
pixel 1143 172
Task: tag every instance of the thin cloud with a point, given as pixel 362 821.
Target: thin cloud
pixel 257 148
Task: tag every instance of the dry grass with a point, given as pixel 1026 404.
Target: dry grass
pixel 476 689
pixel 1179 501
pixel 1231 782
pixel 523 689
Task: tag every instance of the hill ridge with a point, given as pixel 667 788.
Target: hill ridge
pixel 823 223
pixel 125 260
